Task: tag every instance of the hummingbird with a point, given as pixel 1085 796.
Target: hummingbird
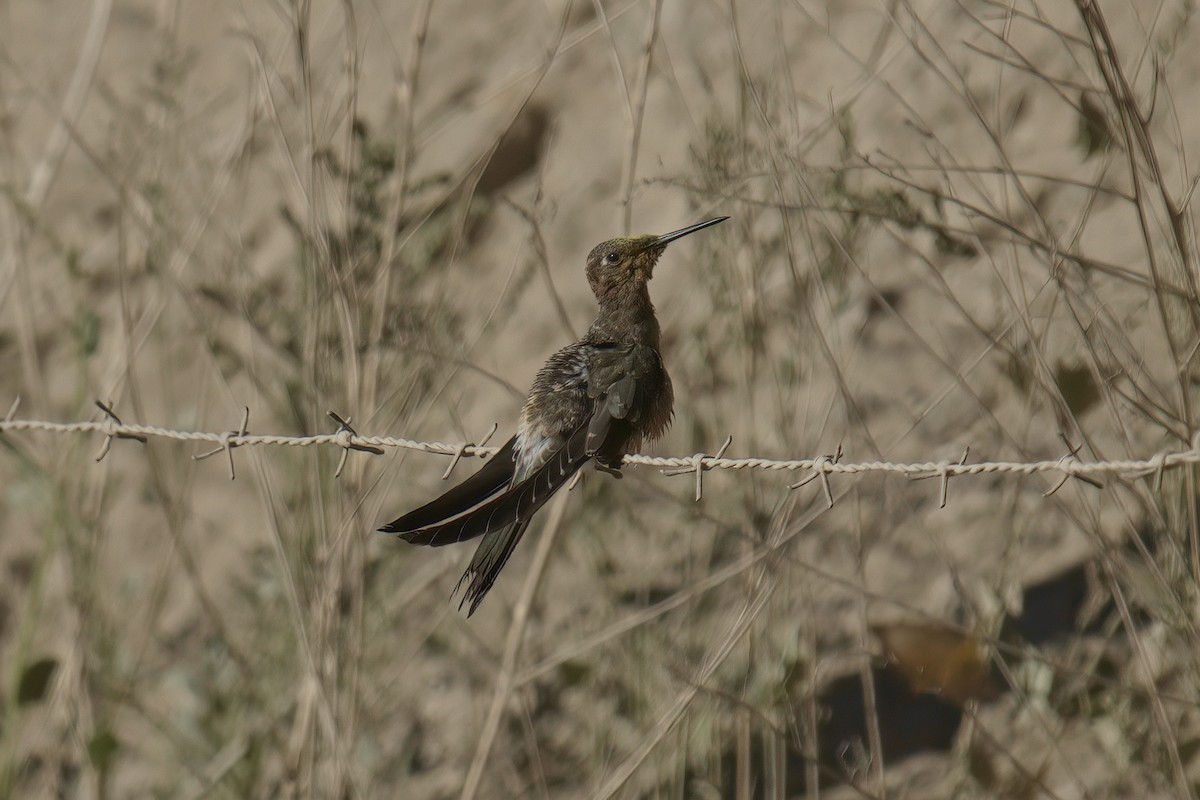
pixel 596 400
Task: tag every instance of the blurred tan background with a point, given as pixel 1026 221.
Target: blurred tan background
pixel 953 224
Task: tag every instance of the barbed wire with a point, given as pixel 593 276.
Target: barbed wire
pixel 819 467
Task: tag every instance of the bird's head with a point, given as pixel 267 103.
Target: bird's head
pixel 629 261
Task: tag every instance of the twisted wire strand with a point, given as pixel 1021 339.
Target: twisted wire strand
pixel 345 437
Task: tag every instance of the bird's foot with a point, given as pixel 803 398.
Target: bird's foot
pixel 616 473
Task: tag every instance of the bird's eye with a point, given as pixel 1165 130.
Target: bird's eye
pixel 612 258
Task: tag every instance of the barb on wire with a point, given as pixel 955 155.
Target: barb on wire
pixel 1066 467
pixel 1156 464
pixel 943 472
pixel 345 438
pixel 1071 457
pixel 701 463
pixel 458 454
pixel 229 440
pixel 821 467
pixel 112 427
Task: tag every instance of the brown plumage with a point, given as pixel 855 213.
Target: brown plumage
pixel 595 400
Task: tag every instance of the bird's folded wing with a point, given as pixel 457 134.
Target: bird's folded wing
pixel 615 403
pixel 495 476
pixel 614 389
pixel 516 505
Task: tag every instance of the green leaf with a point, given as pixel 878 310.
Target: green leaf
pixel 1078 389
pixel 573 672
pixel 102 747
pixel 1094 134
pixel 86 328
pixel 35 681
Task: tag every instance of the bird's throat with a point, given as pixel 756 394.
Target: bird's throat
pixel 627 317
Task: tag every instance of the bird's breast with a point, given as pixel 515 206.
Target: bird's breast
pixel 661 406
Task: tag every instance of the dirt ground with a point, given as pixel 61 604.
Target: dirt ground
pixel 953 225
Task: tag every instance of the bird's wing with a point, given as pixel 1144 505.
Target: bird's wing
pixel 615 385
pixel 503 521
pixel 516 505
pixel 494 476
pixel 613 398
pixel 602 383
pixel 614 406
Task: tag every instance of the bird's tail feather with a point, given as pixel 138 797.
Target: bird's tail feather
pixel 502 521
pixel 490 557
pixel 494 476
pixel 517 504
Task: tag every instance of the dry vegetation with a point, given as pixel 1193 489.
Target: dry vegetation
pixel 953 224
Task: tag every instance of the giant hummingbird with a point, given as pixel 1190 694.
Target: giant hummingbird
pixel 595 400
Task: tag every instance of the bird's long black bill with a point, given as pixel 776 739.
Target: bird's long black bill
pixel 667 238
